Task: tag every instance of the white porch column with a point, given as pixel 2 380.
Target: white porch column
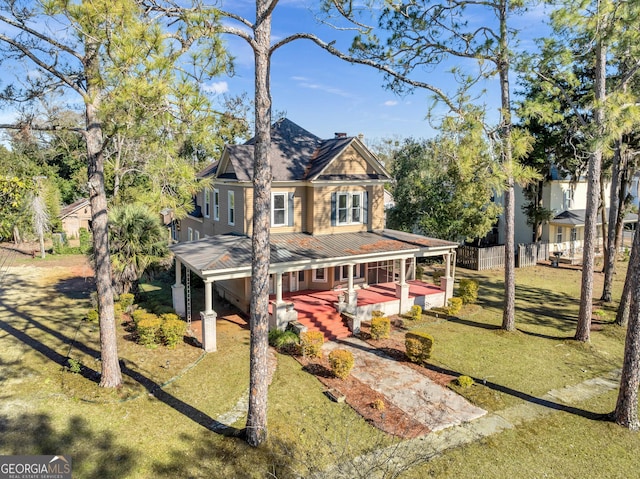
pixel 177 292
pixel 402 288
pixel 447 281
pixel 279 316
pixel 208 316
pixel 278 288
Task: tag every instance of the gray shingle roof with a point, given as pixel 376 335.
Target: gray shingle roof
pixel 577 218
pixel 295 155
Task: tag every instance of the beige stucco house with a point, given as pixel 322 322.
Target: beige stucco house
pixel 75 216
pixel 327 229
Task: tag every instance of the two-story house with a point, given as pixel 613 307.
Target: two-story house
pixel 564 232
pixel 330 252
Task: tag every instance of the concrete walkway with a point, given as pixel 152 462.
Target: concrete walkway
pixel 413 452
pixel 429 403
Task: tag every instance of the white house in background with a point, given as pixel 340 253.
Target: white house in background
pixel 568 201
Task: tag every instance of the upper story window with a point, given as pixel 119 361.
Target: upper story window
pixel 196 235
pixel 231 208
pixel 349 208
pixel 568 199
pixel 207 202
pixel 216 204
pixel 279 209
pixel 189 233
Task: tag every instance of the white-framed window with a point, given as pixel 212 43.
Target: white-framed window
pixel 344 272
pixel 216 204
pixel 349 208
pixel 207 202
pixel 559 234
pixel 568 199
pixel 189 233
pixel 196 235
pixel 231 208
pixel 279 209
pixel 320 275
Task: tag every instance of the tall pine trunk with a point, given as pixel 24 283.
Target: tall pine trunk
pixel 258 386
pixel 626 412
pixel 583 330
pixel 111 374
pixel 508 315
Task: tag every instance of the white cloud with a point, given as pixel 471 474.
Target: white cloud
pixel 390 103
pixel 216 87
pixel 308 83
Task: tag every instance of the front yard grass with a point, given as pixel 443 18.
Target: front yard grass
pixel 141 433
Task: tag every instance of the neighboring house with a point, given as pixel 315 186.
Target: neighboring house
pixel 327 234
pixel 565 231
pixel 75 216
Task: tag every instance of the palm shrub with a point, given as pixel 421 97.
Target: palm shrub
pixel 138 242
pixel 380 327
pixel 341 362
pixel 468 290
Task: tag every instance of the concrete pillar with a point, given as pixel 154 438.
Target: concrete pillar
pixel 447 281
pixel 402 288
pixel 447 265
pixel 208 317
pixel 177 292
pixel 278 288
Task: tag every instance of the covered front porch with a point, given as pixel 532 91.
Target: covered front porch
pixel 357 272
pixel 319 310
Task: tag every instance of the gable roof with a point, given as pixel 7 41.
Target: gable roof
pixel 578 218
pixel 295 155
pixel 73 207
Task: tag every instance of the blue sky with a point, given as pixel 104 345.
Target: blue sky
pixel 326 95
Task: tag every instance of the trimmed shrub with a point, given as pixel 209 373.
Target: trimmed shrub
pixel 148 330
pixel 311 343
pixel 378 404
pixel 465 381
pixel 126 301
pixel 377 314
pixel 286 342
pixel 468 290
pixel 172 330
pixel 117 311
pixel 418 346
pixel 93 316
pixel 380 327
pixel 341 362
pixel 140 314
pixel 416 312
pixel 455 305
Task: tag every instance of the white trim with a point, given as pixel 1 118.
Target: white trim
pixel 231 210
pixel 285 207
pixel 314 277
pixel 207 203
pixel 216 204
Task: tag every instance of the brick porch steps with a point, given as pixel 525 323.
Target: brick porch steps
pixel 328 323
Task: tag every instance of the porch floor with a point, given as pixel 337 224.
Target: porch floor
pixel 316 309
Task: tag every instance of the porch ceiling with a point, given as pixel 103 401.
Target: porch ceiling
pixel 229 256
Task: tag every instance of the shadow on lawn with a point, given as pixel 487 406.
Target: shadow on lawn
pixel 88 373
pixel 95 454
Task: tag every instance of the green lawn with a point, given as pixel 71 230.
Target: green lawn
pixel 143 432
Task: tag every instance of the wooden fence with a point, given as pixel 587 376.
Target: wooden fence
pixel 529 254
pixel 472 257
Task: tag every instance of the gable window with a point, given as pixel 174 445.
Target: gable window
pixel 349 208
pixel 216 204
pixel 231 208
pixel 279 209
pixel 320 275
pixel 207 202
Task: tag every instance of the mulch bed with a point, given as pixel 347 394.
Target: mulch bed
pixel 362 398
